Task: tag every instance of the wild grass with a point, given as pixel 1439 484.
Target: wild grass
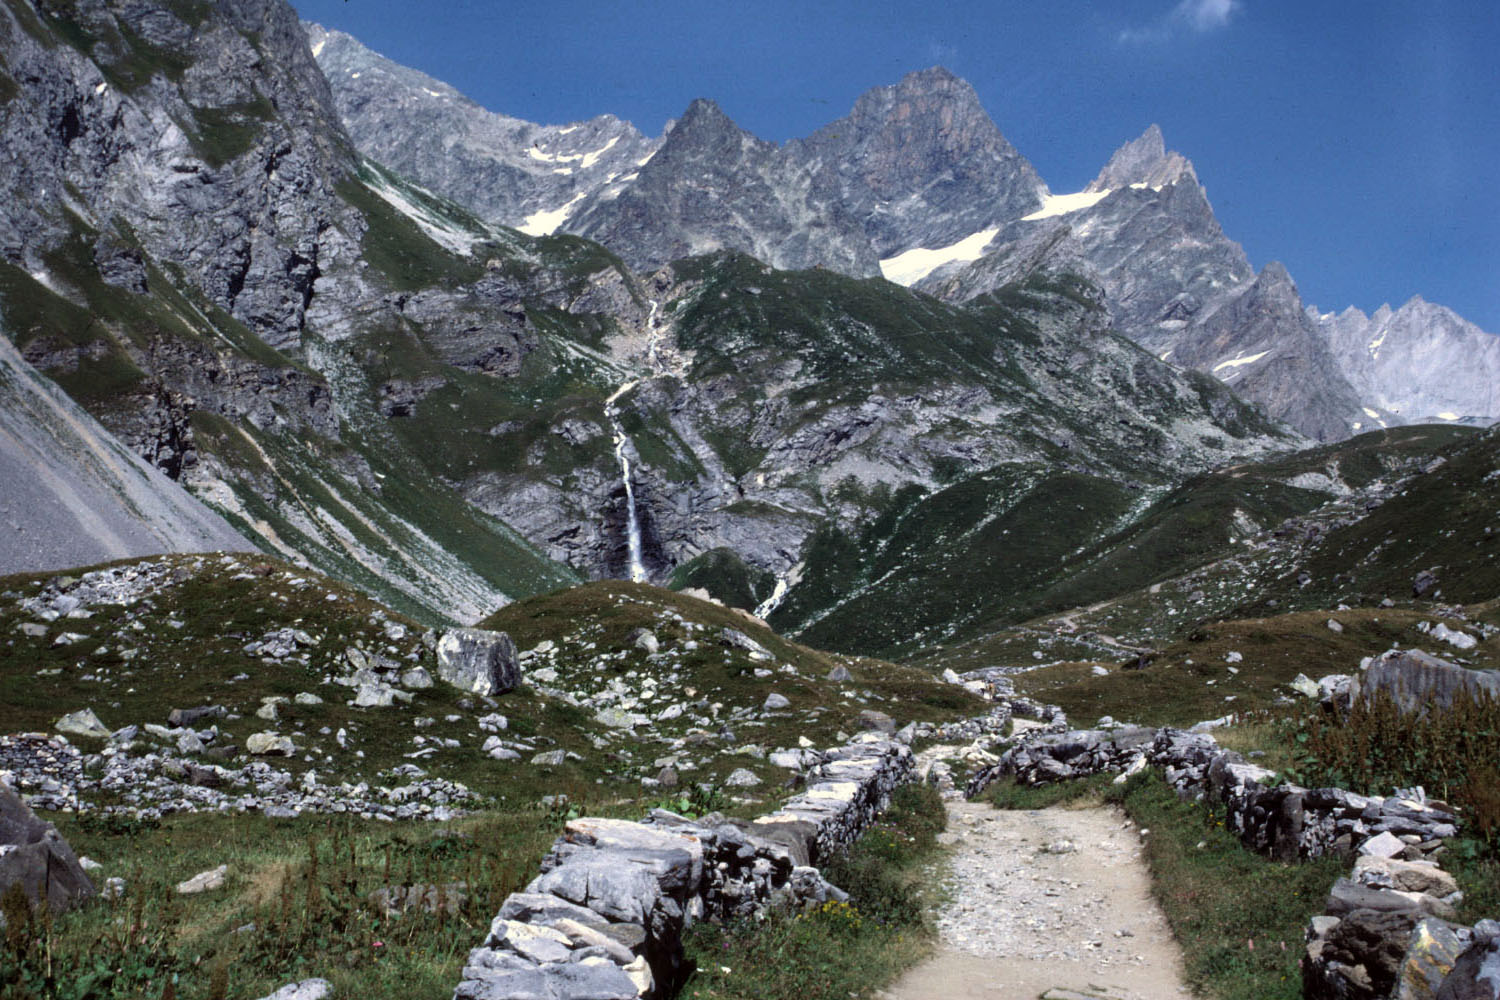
pixel 1238 917
pixel 297 903
pixel 838 950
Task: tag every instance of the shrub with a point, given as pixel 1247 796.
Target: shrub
pixel 1375 747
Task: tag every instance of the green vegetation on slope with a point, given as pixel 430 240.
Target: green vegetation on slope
pixel 837 950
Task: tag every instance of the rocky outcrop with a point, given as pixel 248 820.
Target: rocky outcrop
pixel 233 161
pixel 478 661
pixel 1388 931
pixel 606 916
pixel 35 856
pixel 1419 682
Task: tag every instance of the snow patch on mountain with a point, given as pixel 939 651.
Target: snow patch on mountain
pixel 545 223
pixel 1239 362
pixel 1063 204
pixel 913 265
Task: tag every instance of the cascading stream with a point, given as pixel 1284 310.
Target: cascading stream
pixel 637 564
pixel 632 518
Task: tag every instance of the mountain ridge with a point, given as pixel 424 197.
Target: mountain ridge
pixel 917 180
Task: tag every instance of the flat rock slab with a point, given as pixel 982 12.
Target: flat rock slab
pixel 1023 920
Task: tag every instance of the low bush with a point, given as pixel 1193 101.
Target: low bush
pixel 1375 748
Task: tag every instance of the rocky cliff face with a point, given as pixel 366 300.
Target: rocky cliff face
pixel 712 186
pixel 508 171
pixel 1418 363
pixel 187 237
pixel 915 164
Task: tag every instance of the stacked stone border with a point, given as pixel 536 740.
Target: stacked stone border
pixel 1387 930
pixel 605 918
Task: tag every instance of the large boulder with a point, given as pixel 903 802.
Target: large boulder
pixel 478 660
pixel 1418 681
pixel 1476 973
pixel 35 856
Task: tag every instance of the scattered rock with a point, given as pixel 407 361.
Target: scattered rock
pixel 307 989
pixel 742 777
pixel 204 881
pixel 478 660
pixel 644 640
pixel 774 701
pixel 82 723
pixel 270 744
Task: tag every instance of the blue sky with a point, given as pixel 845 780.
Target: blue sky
pixel 1358 143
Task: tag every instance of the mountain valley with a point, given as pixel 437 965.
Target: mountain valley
pixel 387 484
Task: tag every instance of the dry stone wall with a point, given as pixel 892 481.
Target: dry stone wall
pixel 604 919
pixel 1387 930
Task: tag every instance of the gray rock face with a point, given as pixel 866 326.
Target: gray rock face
pixel 1421 362
pixel 506 170
pixel 713 186
pixel 478 660
pixel 35 856
pixel 1263 346
pixel 72 494
pixel 1176 285
pixel 915 164
pixel 1420 682
pixel 233 166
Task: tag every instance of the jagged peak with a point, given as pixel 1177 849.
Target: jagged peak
pixel 1143 160
pixel 935 85
pixel 1275 273
pixel 703 113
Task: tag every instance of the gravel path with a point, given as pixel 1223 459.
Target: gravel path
pixel 1054 899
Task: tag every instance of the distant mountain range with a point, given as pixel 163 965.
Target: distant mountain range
pixel 918 184
pixel 885 356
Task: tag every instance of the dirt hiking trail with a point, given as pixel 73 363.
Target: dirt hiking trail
pixel 1046 900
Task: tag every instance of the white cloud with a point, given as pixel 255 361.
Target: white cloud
pixel 1206 15
pixel 1199 16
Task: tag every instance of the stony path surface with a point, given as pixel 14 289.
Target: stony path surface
pixel 1053 899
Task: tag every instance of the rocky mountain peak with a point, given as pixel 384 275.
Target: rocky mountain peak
pixel 1143 161
pixel 703 117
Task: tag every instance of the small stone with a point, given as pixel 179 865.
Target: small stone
pixel 774 701
pixel 270 744
pixel 550 758
pixel 742 778
pixel 417 678
pixel 307 989
pixel 82 723
pixel 204 881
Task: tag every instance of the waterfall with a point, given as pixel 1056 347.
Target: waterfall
pixel 632 518
pixel 785 582
pixel 660 360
